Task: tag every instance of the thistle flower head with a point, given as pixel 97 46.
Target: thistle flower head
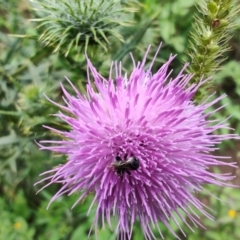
pixel 140 144
pixel 77 24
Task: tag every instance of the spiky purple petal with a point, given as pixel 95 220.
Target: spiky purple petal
pixel 148 116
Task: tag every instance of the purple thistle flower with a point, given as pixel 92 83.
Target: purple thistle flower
pixel 141 145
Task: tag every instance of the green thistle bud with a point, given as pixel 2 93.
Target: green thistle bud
pixel 212 7
pixel 74 24
pixel 224 23
pixel 200 58
pixel 214 48
pixel 206 36
pixel 209 40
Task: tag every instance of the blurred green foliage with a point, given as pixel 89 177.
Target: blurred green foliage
pixel 27 71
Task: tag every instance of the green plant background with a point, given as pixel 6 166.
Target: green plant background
pixel 27 71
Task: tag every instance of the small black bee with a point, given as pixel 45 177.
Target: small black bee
pixel 125 165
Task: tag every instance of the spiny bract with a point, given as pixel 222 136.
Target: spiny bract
pixel 77 24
